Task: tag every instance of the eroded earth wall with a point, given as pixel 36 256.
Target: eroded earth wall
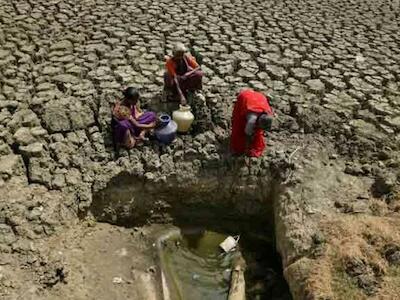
pixel 333 67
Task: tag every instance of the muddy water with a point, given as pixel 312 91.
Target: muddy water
pixel 196 266
pixel 197 269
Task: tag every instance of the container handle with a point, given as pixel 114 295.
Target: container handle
pixel 236 238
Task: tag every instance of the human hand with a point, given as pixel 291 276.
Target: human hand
pixel 183 100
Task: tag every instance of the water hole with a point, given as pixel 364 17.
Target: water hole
pixel 198 269
pixel 204 215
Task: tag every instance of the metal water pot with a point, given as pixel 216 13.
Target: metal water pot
pixel 166 131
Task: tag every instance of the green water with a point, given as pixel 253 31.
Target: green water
pixel 196 266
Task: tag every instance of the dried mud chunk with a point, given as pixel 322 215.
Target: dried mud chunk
pixel 316 86
pixel 384 184
pixel 392 254
pixel 11 165
pixel 366 276
pixel 276 73
pixel 7 235
pixel 302 74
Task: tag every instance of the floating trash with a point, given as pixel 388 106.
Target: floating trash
pixel 229 243
pixel 195 276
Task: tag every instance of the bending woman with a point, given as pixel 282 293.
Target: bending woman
pixel 129 123
pixel 252 116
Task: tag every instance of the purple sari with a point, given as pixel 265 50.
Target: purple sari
pixel 120 125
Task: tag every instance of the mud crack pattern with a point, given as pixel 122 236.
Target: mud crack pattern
pixel 333 67
pixel 63 62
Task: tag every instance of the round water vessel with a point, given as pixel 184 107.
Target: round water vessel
pixel 183 118
pixel 166 132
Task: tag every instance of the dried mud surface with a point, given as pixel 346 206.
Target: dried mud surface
pixel 333 67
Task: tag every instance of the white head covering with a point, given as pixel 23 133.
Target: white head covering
pixel 179 47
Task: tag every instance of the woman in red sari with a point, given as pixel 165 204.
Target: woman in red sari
pixel 252 115
pixel 183 74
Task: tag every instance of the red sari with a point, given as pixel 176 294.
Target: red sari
pixel 248 101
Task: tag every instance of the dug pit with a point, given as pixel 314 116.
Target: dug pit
pixel 205 213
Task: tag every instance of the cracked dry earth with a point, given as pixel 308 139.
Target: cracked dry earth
pixel 334 67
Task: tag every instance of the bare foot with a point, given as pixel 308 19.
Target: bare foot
pixel 130 141
pixel 142 137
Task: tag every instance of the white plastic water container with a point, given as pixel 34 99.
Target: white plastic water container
pixel 229 243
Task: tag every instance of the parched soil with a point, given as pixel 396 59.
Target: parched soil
pixel 330 173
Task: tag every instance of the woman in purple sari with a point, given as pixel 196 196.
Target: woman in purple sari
pixel 183 73
pixel 129 123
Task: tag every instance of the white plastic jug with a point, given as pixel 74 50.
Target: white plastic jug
pixel 229 243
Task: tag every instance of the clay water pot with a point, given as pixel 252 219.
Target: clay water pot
pixel 166 131
pixel 183 118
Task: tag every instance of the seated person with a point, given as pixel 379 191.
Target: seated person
pixel 252 116
pixel 129 122
pixel 183 73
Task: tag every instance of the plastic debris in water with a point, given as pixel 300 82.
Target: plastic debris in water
pixel 229 243
pixel 195 276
